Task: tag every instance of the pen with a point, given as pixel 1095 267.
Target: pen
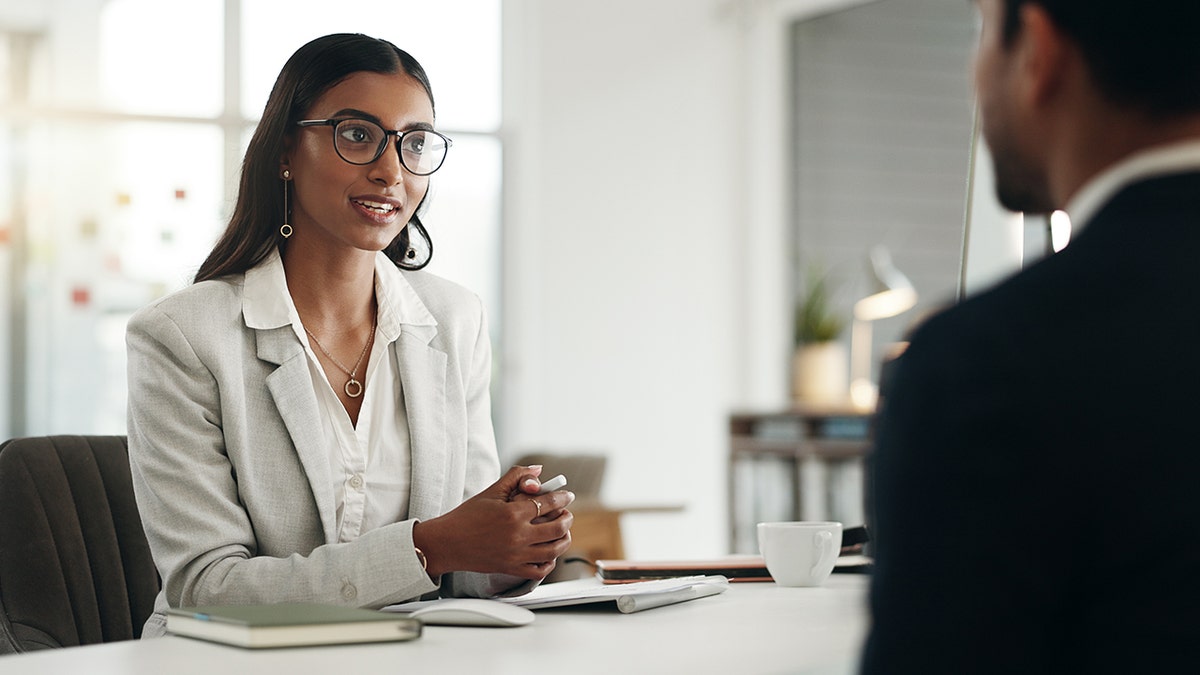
pixel 629 604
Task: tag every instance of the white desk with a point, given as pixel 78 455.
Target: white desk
pixel 751 628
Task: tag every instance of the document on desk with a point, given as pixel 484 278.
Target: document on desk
pixel 629 598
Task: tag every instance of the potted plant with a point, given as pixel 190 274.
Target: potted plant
pixel 820 366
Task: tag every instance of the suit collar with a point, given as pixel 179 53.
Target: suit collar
pixel 291 388
pixel 423 373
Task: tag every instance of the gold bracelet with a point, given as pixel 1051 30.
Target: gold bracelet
pixel 421 557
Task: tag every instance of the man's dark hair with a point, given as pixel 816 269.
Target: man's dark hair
pixel 1143 54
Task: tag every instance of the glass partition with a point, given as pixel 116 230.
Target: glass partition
pixel 881 146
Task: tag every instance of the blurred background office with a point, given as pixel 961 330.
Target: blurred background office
pixel 636 190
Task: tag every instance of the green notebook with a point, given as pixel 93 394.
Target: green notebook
pixel 289 625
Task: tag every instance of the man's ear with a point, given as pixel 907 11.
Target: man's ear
pixel 1043 51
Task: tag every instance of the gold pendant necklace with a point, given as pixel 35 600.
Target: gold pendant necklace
pixel 353 388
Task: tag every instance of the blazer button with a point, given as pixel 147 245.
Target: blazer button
pixel 349 592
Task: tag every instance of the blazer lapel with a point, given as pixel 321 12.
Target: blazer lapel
pixel 291 387
pixel 423 380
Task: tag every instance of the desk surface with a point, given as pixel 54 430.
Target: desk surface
pixel 751 628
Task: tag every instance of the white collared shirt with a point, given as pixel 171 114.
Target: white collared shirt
pixel 1156 161
pixel 371 463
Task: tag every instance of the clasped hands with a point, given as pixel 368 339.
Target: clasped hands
pixel 506 529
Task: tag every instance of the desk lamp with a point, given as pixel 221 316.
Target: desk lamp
pixel 891 294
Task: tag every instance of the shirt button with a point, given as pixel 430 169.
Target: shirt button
pixel 349 592
pixel 356 482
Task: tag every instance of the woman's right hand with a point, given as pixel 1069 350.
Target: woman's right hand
pixel 499 531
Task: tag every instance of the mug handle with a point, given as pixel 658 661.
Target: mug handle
pixel 824 542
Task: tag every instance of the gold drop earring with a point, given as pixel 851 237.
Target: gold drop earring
pixel 286 230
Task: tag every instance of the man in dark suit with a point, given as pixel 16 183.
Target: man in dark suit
pixel 1037 470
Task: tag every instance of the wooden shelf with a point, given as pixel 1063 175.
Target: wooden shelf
pixel 829 436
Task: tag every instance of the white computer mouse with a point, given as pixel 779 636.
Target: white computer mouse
pixel 473 612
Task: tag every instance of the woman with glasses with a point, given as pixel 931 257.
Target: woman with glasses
pixel 310 420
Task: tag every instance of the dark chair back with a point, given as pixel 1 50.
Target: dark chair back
pixel 75 567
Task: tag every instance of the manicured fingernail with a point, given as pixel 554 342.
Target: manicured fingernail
pixel 571 495
pixel 529 482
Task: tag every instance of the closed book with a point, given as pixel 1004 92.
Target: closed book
pixel 289 625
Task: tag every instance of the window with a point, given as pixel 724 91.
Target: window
pixel 122 128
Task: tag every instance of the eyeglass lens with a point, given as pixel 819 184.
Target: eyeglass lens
pixel 362 142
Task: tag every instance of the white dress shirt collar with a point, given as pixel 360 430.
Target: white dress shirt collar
pixel 267 304
pixel 1155 161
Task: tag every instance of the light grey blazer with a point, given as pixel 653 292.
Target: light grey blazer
pixel 232 482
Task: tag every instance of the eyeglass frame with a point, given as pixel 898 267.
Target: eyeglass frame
pixel 398 133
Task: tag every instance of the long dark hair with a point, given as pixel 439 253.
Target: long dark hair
pixel 254 226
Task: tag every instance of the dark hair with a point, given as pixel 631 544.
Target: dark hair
pixel 253 228
pixel 1142 55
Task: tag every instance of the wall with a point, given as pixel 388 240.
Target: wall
pixel 622 227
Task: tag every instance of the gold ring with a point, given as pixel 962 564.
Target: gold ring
pixel 538 505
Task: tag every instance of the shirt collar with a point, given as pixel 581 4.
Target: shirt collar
pixel 399 303
pixel 266 303
pixel 1159 160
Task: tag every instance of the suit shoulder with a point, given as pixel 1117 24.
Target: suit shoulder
pixel 1031 298
pixel 1006 329
pixel 206 301
pixel 428 284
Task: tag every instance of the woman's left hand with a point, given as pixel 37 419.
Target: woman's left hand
pixel 503 530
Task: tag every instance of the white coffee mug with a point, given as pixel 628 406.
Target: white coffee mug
pixel 800 553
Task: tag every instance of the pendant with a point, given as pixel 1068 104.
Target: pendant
pixel 353 388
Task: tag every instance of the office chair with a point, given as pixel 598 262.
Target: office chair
pixel 584 471
pixel 75 567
